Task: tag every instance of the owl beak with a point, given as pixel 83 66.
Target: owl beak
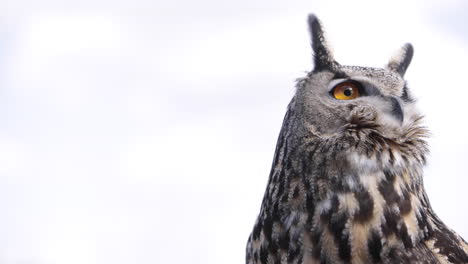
pixel 397 110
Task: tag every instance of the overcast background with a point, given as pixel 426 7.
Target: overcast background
pixel 143 131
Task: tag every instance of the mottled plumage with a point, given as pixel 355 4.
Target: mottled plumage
pixel 346 181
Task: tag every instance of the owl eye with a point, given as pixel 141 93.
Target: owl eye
pixel 346 91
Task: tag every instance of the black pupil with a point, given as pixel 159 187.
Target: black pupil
pixel 348 91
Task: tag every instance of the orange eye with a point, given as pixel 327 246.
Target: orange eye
pixel 346 91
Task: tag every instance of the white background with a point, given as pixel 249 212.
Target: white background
pixel 143 131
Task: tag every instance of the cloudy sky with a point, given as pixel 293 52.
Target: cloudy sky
pixel 143 131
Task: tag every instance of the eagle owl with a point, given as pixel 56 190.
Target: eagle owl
pixel 346 181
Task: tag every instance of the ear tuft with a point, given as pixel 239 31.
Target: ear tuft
pixel 401 60
pixel 323 57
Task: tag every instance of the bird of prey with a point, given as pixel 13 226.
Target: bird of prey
pixel 346 183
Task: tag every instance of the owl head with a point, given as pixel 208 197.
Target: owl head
pixel 334 98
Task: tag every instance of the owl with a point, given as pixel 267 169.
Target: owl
pixel 346 183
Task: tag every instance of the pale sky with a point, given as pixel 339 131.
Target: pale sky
pixel 143 131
